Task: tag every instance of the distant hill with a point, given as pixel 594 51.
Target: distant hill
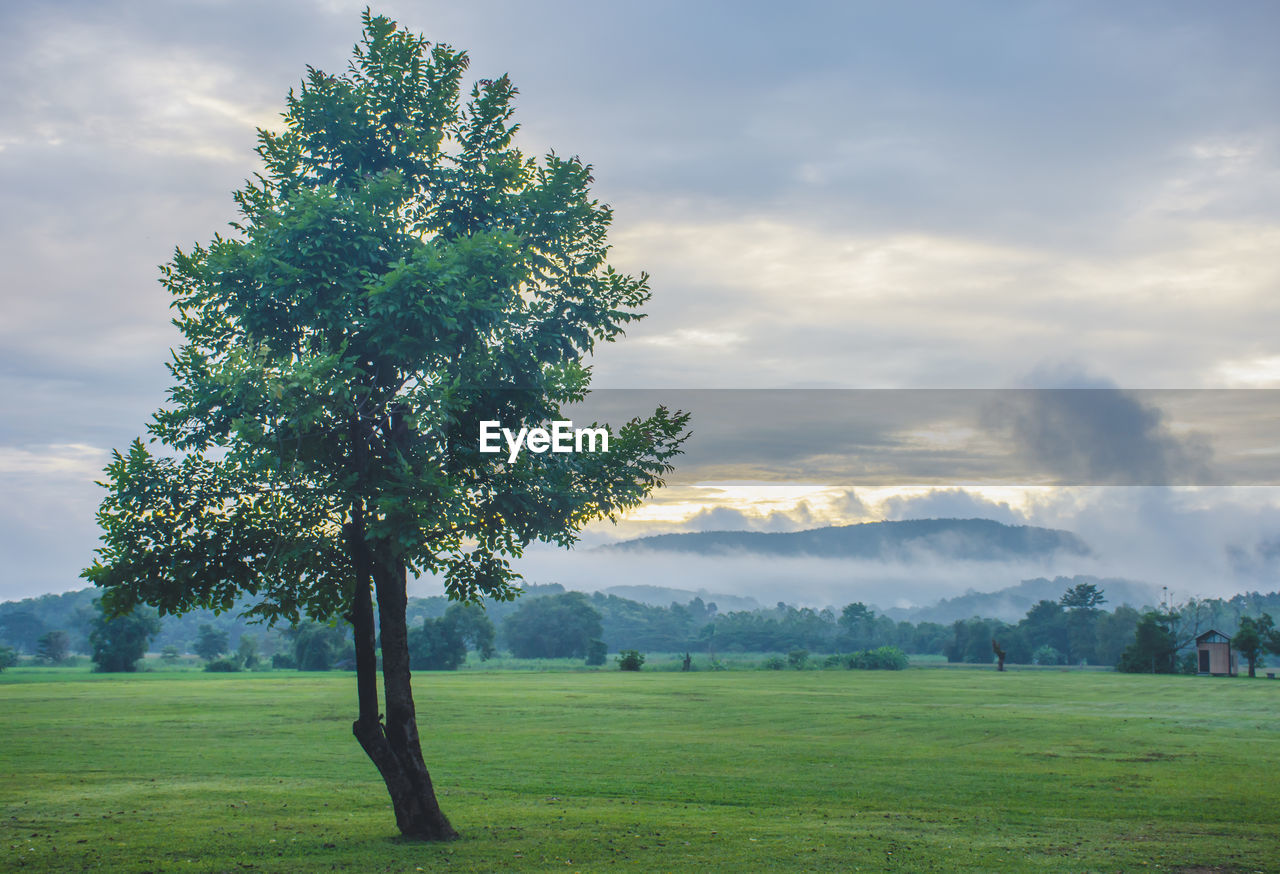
pixel 957 539
pixel 1012 603
pixel 661 596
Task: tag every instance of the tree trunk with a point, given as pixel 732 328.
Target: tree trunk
pixel 399 753
pixel 393 748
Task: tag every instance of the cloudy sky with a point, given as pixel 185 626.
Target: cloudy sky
pixel 958 195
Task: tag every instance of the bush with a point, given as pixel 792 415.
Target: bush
pixel 223 666
pixel 597 651
pixel 282 660
pixel 630 660
pixel 833 661
pixel 797 658
pixel 1046 655
pixel 885 658
pixel 773 663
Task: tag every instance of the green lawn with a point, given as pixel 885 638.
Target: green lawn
pixel 921 770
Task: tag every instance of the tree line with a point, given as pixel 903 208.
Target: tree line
pixel 551 622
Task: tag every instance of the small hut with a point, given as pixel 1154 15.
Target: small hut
pixel 1214 655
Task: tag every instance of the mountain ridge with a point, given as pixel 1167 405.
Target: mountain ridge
pixel 959 539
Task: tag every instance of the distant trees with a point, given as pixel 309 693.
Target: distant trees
pixel 8 657
pixel 1154 648
pixel 554 626
pixel 857 626
pixel 971 641
pixel 1255 637
pixel 54 647
pixel 318 646
pixel 210 643
pixel 882 658
pixel 630 660
pixel 119 642
pixel 441 644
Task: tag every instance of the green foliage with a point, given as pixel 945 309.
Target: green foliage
pixel 223 666
pixel 473 625
pixel 1154 648
pixel 773 663
pixel 972 638
pixel 1046 655
pixel 630 660
pixel 53 647
pixel 438 645
pixel 883 658
pixel 247 652
pixel 1083 596
pixel 556 626
pixel 283 661
pixel 211 643
pixel 399 273
pixel 120 641
pixel 170 654
pixel 8 657
pixel 318 647
pixel 597 652
pixel 797 658
pixel 1252 638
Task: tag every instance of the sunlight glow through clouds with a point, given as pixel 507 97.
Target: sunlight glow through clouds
pixel 803 505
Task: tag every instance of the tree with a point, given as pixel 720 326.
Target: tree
pixel 119 640
pixel 1252 638
pixel 398 275
pixel 247 651
pixel 53 647
pixel 630 660
pixel 552 627
pixel 473 625
pixel 857 620
pixel 8 656
pixel 437 646
pixel 1154 648
pixel 316 646
pixel 211 642
pixel 1083 596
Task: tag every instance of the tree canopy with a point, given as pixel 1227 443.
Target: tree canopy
pixel 399 273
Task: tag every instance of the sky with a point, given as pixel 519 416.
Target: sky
pixel 907 196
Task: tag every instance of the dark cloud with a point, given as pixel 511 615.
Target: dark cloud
pixel 1097 436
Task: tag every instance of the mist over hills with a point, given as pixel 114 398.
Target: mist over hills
pixel 954 539
pixel 661 596
pixel 1012 603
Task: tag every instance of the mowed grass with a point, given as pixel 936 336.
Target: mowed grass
pixel 921 770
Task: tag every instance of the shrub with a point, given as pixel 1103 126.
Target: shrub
pixel 773 663
pixel 223 666
pixel 630 660
pixel 1046 655
pixel 884 658
pixel 797 658
pixel 597 651
pixel 833 661
pixel 283 660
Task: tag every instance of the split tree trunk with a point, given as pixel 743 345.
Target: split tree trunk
pixel 394 747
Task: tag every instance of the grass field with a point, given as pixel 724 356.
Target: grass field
pixel 922 770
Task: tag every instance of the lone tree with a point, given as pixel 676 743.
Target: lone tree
pixel 399 274
pixel 211 642
pixel 119 641
pixel 1252 639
